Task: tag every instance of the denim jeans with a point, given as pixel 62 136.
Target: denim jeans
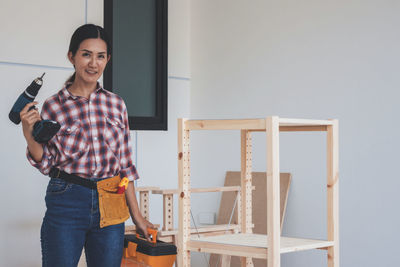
pixel 71 222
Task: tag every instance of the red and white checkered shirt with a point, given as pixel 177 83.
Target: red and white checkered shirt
pixel 93 140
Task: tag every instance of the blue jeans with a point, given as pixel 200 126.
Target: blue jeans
pixel 71 222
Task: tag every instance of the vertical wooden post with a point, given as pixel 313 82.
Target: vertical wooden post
pixel 273 191
pixel 144 204
pixel 238 209
pixel 333 192
pixel 184 194
pixel 225 260
pixel 246 188
pixel 168 210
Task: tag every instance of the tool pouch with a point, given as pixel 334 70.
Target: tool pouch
pixel 112 206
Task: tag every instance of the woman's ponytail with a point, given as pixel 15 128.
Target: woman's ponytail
pixel 71 79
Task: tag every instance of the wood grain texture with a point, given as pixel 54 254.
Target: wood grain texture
pixel 247 244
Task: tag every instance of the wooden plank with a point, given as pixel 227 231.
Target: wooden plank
pixel 240 124
pixel 146 188
pixel 216 189
pixel 246 241
pixel 167 239
pixel 256 124
pixel 273 205
pixel 302 122
pixel 246 190
pixel 333 192
pixel 144 203
pixel 314 128
pixel 225 260
pixel 246 182
pixel 170 236
pixel 144 199
pixel 250 124
pixel 183 259
pixel 259 181
pixel 198 190
pixel 228 206
pixel 300 244
pixel 227 249
pixel 302 128
pixel 165 191
pixel 168 212
pixel 205 229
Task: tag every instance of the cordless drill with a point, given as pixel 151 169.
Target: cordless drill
pixel 43 130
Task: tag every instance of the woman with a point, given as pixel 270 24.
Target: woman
pixel 92 147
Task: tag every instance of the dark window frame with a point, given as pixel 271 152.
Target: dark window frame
pixel 160 120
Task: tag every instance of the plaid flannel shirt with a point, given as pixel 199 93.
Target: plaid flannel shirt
pixel 94 138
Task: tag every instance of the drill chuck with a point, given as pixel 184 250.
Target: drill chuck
pixel 34 87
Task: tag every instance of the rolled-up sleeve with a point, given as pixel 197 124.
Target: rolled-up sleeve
pixel 45 164
pixel 128 169
pixel 49 154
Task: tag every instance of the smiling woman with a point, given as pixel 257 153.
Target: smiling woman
pixel 86 160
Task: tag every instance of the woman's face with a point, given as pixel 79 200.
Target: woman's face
pixel 90 60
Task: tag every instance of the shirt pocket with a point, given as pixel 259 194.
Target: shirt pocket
pixel 72 140
pixel 114 133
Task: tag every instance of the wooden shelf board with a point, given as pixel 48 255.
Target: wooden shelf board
pixel 146 188
pixel 286 124
pixel 198 190
pixel 165 191
pixel 205 229
pixel 303 122
pixel 240 124
pixel 254 245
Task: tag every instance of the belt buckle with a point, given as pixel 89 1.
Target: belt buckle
pixel 52 172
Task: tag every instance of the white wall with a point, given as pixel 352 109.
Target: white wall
pixel 35 40
pixel 306 59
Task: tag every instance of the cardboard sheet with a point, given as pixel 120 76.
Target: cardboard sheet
pixel 259 208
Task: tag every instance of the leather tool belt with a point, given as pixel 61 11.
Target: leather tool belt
pixel 112 206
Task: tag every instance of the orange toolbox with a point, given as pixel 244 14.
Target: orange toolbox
pixel 154 253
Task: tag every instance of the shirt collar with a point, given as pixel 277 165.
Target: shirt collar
pixel 64 94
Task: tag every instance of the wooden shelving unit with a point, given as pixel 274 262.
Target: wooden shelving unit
pixel 246 244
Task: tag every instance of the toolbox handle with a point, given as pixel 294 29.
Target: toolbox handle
pixel 152 234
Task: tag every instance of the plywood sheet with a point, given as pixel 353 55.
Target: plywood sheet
pixel 259 180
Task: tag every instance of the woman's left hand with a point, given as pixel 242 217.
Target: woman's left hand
pixel 142 225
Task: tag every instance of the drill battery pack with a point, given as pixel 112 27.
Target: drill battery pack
pixel 140 252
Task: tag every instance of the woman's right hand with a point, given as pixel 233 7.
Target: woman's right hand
pixel 28 119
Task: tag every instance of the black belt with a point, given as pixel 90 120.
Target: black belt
pixel 72 178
